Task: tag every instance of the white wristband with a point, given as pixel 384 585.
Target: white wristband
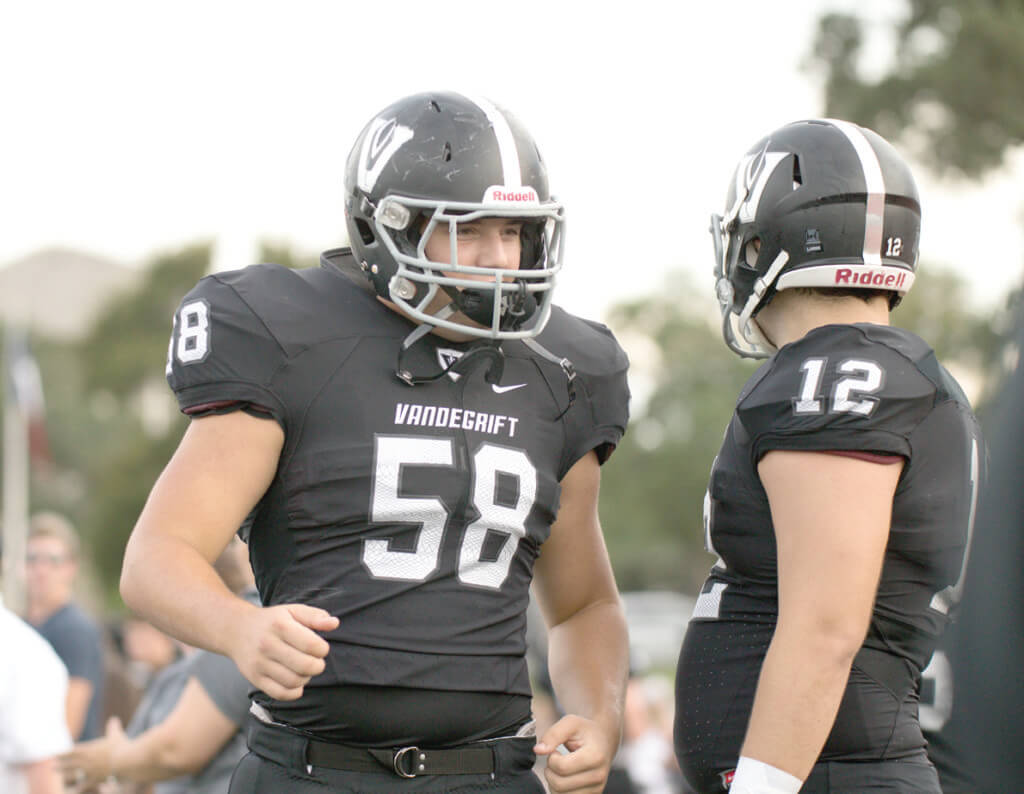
pixel 757 777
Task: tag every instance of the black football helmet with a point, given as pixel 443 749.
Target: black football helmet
pixel 832 204
pixel 444 158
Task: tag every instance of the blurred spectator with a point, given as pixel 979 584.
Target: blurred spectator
pixel 187 729
pixel 51 567
pixel 646 753
pixel 121 693
pixel 33 693
pixel 134 652
pixel 147 649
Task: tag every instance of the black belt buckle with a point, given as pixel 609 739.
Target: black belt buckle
pixel 399 762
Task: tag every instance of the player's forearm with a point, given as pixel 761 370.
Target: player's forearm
pixel 170 584
pixel 588 659
pixel 798 694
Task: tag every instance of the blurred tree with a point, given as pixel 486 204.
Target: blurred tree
pixel 653 491
pixel 111 419
pixel 948 87
pixel 123 420
pixel 284 254
pixel 118 352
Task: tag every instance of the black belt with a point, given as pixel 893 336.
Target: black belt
pixel 281 744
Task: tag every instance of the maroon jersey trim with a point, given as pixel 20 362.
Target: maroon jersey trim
pixel 870 457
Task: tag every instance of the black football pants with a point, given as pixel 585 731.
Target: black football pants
pixel 914 774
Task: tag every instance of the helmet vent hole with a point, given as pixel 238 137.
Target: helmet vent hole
pixel 447 154
pixel 751 250
pixel 797 176
pixel 436 107
pixel 364 231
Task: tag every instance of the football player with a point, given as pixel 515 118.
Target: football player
pixel 408 435
pixel 841 502
pixel 971 711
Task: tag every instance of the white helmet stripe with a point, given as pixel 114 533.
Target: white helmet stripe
pixel 875 215
pixel 506 141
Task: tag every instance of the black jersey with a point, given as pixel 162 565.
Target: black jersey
pixel 413 514
pixel 972 701
pixel 851 388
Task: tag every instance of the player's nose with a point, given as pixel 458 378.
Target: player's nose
pixel 496 250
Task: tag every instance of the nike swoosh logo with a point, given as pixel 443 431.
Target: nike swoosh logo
pixel 502 389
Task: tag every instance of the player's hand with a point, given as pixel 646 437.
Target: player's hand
pixel 585 767
pixel 278 648
pixel 87 764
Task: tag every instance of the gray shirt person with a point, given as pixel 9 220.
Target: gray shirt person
pixel 229 691
pixel 77 641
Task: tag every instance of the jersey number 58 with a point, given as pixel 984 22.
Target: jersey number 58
pixel 388 506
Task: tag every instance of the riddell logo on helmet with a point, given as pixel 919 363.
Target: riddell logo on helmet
pixel 870 278
pixel 503 195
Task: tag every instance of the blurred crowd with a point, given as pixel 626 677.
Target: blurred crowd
pixel 645 763
pixel 118 706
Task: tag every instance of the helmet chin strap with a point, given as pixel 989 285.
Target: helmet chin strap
pixel 487 352
pixel 756 336
pixel 751 332
pixel 744 344
pixel 417 334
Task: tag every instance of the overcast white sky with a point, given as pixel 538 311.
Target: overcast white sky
pixel 129 128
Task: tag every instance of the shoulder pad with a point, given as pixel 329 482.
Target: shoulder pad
pixel 301 308
pixel 598 418
pixel 220 348
pixel 848 387
pixel 590 345
pixel 236 330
